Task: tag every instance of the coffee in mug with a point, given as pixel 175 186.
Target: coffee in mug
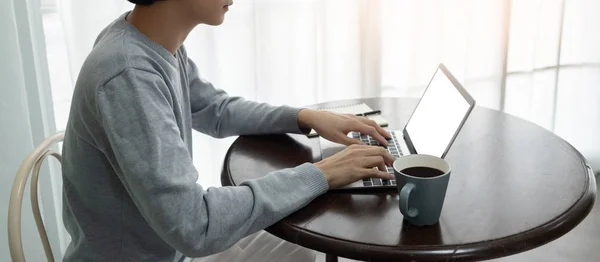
pixel 422 171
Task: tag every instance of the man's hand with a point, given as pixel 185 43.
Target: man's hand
pixel 335 127
pixel 354 163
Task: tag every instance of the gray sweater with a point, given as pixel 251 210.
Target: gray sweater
pixel 129 185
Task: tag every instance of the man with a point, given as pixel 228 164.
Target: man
pixel 130 191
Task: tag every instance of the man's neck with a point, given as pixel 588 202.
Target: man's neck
pixel 161 23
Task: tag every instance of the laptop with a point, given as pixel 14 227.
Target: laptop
pixel 431 129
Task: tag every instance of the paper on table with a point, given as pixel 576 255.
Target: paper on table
pixel 349 109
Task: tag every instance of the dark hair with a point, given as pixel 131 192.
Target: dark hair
pixel 143 2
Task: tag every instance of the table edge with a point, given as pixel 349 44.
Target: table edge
pixel 495 248
pixel 500 247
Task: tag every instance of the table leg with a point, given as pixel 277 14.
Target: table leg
pixel 331 258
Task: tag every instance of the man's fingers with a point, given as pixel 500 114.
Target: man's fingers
pixel 383 132
pixel 372 131
pixel 382 166
pixel 384 175
pixel 377 127
pixel 389 159
pixel 378 151
pixel 374 173
pixel 374 161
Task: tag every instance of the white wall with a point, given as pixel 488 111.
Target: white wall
pixel 24 122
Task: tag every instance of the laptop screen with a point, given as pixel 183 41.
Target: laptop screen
pixel 437 117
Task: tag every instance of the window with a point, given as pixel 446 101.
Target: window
pixel 536 59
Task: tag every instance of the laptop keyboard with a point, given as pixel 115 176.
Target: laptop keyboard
pixel 394 149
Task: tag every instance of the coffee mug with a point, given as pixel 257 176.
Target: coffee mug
pixel 422 181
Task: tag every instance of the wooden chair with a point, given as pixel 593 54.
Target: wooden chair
pixel 33 161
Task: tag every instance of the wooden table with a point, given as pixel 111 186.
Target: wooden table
pixel 515 186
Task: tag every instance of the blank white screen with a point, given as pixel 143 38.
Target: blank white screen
pixel 437 117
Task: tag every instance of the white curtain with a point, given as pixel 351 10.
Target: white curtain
pixel 537 59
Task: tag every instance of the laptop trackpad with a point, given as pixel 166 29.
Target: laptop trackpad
pixel 329 148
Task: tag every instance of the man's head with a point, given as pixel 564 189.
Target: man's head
pixel 211 12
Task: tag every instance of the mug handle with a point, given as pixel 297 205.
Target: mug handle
pixel 404 196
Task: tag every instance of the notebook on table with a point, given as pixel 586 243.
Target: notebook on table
pixel 359 109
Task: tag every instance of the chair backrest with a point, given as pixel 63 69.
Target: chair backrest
pixel 33 161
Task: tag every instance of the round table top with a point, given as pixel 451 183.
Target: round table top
pixel 514 186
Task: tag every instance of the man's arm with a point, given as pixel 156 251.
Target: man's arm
pixel 219 115
pixel 156 169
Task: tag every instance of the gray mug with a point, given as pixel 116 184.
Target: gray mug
pixel 421 197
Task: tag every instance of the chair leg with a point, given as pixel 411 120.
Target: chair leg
pixel 331 258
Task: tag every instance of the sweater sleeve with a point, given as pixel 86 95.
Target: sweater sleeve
pixel 217 114
pixel 155 167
